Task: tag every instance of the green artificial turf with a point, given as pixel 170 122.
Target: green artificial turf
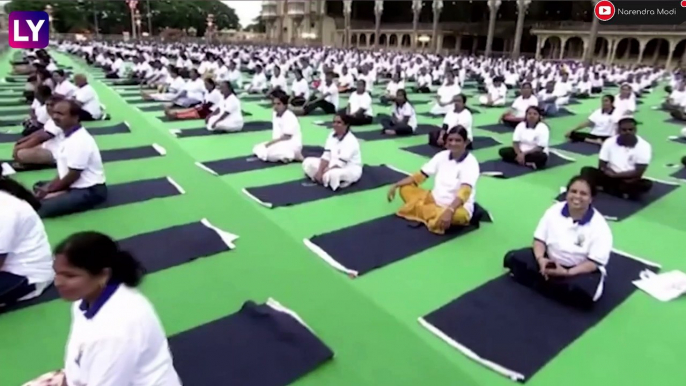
pixel 370 322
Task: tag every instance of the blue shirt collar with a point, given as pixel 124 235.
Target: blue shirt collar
pixel 458 160
pixel 71 131
pixel 90 310
pixel 585 219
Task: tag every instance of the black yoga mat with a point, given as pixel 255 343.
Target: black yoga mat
pixel 203 132
pixel 676 139
pixel 429 151
pixel 375 135
pixel 581 148
pixel 680 174
pixel 514 327
pixel 617 209
pixel 160 250
pixel 500 169
pixel 139 191
pixel 302 191
pixel 675 121
pixel 250 162
pixel 364 247
pixel 140 101
pixel 13 103
pixel 132 153
pixel 260 345
pixel 498 128
pixel 157 107
pixel 7 122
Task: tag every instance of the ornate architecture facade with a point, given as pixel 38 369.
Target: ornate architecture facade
pixel 306 21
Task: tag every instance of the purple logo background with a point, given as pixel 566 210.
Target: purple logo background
pixel 20 33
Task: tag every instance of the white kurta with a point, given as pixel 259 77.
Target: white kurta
pixel 282 151
pixel 345 162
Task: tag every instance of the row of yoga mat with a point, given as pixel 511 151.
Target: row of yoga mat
pixel 270 345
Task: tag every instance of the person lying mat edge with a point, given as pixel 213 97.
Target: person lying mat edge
pixel 451 202
pixel 80 184
pixel 116 337
pixel 25 255
pixel 622 161
pixel 39 147
pixel 286 143
pixel 212 98
pixel 572 245
pixel 603 124
pixel 458 116
pixel 341 163
pixel 530 142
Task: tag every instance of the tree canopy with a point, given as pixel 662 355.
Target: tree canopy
pixel 114 17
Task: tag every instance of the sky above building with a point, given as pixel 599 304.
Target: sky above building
pixel 246 10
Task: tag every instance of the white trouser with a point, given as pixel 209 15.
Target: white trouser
pixel 163 97
pixel 333 178
pixel 283 151
pixel 437 109
pixel 561 101
pixel 497 102
pixel 227 124
pixel 683 132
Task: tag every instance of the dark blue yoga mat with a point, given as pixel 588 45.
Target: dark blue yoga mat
pixel 302 191
pixel 256 346
pixel 203 132
pixel 618 209
pixel 429 151
pixel 498 128
pixel 376 135
pixel 365 247
pixel 500 169
pixel 514 327
pixel 120 128
pixel 581 148
pixel 132 153
pixel 139 191
pixel 681 174
pixel 680 140
pixel 250 162
pixel 157 251
pixel 153 108
pixel 167 119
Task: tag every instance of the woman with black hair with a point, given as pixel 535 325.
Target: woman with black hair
pixel 530 142
pixel 571 247
pixel 403 121
pixel 228 116
pixel 458 116
pixel 116 337
pixel 211 101
pixel 25 256
pixel 603 124
pixel 451 201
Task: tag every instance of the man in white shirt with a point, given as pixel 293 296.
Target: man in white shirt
pixel 80 182
pixel 87 99
pixel 63 87
pixel 623 160
pixel 327 100
pixel 36 150
pixel 359 108
pixel 38 114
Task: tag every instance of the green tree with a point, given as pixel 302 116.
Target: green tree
pixel 114 17
pixel 257 25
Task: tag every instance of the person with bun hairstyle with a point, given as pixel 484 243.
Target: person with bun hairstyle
pixel 116 338
pixel 25 256
pixel 451 201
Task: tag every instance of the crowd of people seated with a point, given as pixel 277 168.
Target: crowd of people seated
pixel 203 82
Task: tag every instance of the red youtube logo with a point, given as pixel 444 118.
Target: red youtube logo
pixel 604 10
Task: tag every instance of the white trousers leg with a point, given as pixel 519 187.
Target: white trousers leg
pixel 224 125
pixel 278 152
pixel 437 109
pixel 562 101
pixel 339 178
pixel 483 99
pixel 311 166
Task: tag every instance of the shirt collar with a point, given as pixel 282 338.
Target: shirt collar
pixel 90 310
pixel 585 219
pixel 342 136
pixel 68 133
pixel 526 125
pixel 458 160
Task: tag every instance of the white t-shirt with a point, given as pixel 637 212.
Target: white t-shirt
pixel 463 118
pixel 80 152
pixel 215 98
pixel 450 174
pixel 120 343
pixel 41 112
pixel 287 124
pixel 259 82
pixel 604 125
pixel 393 87
pixel 446 93
pixel 360 101
pixel 232 106
pixel 531 138
pixel 279 82
pixel 89 100
pixel 24 241
pixel 66 89
pixel 520 105
pixel 332 90
pixel 570 243
pixel 343 152
pixel 406 111
pixel 53 144
pixel 623 159
pixel 625 107
pixel 301 88
pixel 176 85
pixel 195 89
